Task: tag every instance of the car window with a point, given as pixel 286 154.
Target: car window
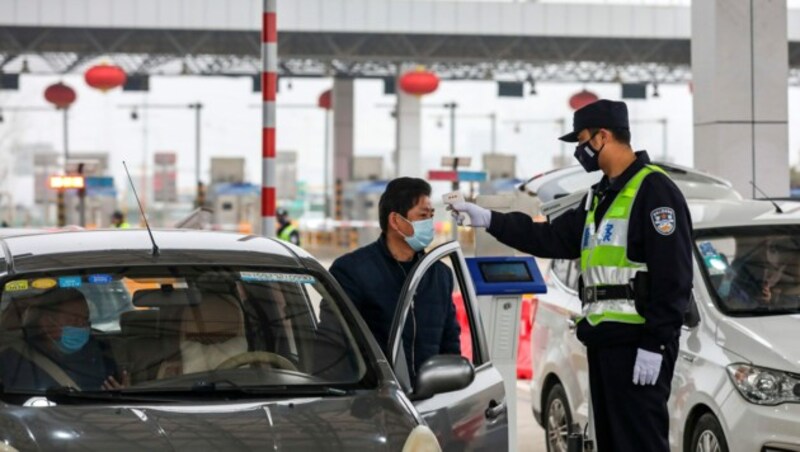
pixel 752 270
pixel 175 328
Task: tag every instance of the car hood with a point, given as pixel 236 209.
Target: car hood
pixel 370 423
pixel 768 341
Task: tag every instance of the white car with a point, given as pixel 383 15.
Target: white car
pixel 737 378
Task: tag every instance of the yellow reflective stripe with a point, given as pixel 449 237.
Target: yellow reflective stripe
pixel 595 319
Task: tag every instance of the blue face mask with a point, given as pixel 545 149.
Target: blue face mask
pixel 423 234
pixel 73 339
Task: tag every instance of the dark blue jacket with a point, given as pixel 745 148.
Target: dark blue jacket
pixel 373 279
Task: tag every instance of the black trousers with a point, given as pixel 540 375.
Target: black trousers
pixel 628 417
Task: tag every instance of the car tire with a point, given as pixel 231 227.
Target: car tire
pixel 557 419
pixel 707 435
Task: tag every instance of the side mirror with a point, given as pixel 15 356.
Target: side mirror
pixel 442 373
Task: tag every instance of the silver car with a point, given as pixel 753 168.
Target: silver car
pixel 217 341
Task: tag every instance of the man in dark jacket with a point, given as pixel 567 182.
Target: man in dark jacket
pixel 373 276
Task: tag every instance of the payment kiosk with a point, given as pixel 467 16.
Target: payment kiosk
pixel 500 282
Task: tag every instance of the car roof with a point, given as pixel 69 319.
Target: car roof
pixel 709 214
pixel 693 183
pixel 43 250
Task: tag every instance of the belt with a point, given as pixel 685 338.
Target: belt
pixel 612 292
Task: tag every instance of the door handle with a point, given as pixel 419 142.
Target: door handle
pixel 688 357
pixel 495 410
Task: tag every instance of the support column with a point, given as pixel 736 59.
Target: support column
pixel 740 74
pixel 408 120
pixel 343 128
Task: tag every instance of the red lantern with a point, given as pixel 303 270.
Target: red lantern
pixel 325 100
pixel 419 82
pixel 105 77
pixel 582 99
pixel 60 95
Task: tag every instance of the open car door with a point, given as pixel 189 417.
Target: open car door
pixel 474 416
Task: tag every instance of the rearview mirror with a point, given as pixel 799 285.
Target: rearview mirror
pixel 442 373
pixel 691 318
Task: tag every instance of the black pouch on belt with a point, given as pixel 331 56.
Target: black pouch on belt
pixel 641 290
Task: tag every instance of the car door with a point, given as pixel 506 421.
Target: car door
pixel 475 417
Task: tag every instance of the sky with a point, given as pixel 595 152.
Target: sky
pixel 231 124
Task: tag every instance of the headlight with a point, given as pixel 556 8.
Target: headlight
pixel 421 439
pixel 764 386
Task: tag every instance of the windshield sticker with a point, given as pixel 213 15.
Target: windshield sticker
pixel 277 277
pixel 69 281
pixel 16 286
pixel 100 279
pixel 44 283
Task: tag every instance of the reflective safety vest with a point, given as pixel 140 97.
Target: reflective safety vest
pixel 124 225
pixel 286 233
pixel 604 257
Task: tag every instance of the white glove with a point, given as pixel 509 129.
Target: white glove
pixel 647 367
pixel 478 216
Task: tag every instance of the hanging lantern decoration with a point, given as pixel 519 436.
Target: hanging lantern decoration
pixel 582 99
pixel 105 77
pixel 325 100
pixel 419 82
pixel 60 95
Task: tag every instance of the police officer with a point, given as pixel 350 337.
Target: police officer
pixel 632 234
pixel 118 220
pixel 287 231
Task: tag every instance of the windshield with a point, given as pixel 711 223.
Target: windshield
pixel 753 270
pixel 173 329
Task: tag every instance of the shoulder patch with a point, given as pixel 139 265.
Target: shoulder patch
pixel 663 219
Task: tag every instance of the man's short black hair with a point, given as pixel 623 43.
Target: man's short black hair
pixel 622 135
pixel 401 195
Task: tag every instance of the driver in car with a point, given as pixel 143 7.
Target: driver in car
pixel 771 279
pixel 58 349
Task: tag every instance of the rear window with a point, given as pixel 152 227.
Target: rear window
pixel 173 328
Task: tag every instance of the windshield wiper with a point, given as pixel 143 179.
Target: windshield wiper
pixel 69 394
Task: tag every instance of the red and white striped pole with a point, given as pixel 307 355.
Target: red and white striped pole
pixel 269 85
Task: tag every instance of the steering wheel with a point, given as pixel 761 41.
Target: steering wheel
pixel 243 359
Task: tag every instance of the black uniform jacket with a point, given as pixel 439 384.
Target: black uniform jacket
pixel 373 279
pixel 662 243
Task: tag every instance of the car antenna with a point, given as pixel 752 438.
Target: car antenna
pixel 777 207
pixel 146 223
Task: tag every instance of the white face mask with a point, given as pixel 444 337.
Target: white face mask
pixel 199 357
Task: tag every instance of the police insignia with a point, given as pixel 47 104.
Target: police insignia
pixel 663 220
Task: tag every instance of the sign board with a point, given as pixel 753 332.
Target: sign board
pixel 500 166
pixel 286 174
pixel 66 182
pixel 165 187
pixel 448 162
pixel 367 168
pixel 227 169
pixel 457 176
pixel 94 163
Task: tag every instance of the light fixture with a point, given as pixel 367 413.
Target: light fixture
pixel 134 115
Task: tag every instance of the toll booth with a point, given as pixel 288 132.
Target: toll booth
pixel 235 205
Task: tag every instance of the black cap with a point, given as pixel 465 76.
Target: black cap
pixel 603 114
